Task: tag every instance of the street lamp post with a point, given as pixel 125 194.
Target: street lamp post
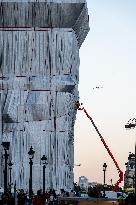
pixel 10 168
pixel 135 168
pixel 44 162
pixel 15 192
pixel 104 170
pixel 130 125
pixel 31 156
pixel 6 148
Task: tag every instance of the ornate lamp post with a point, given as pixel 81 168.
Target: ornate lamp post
pixel 10 168
pixel 31 156
pixel 104 170
pixel 6 148
pixel 130 125
pixel 44 162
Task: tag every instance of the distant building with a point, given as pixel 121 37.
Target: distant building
pixel 129 177
pixel 83 182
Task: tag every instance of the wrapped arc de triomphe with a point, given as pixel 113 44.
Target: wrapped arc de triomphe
pixel 39 71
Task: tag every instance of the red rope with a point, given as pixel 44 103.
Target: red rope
pixel 78 106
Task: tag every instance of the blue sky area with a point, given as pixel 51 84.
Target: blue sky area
pixel 107 60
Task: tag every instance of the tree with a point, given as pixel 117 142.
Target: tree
pixel 94 192
pixel 77 188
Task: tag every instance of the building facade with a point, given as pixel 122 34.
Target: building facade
pixel 129 177
pixel 39 74
pixel 83 183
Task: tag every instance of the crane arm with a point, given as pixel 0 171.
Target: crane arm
pixel 79 107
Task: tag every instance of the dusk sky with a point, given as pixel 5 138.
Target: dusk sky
pixel 107 60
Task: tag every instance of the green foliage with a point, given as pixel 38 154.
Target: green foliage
pixel 77 188
pixel 96 191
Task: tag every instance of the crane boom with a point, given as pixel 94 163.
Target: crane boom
pixel 78 107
